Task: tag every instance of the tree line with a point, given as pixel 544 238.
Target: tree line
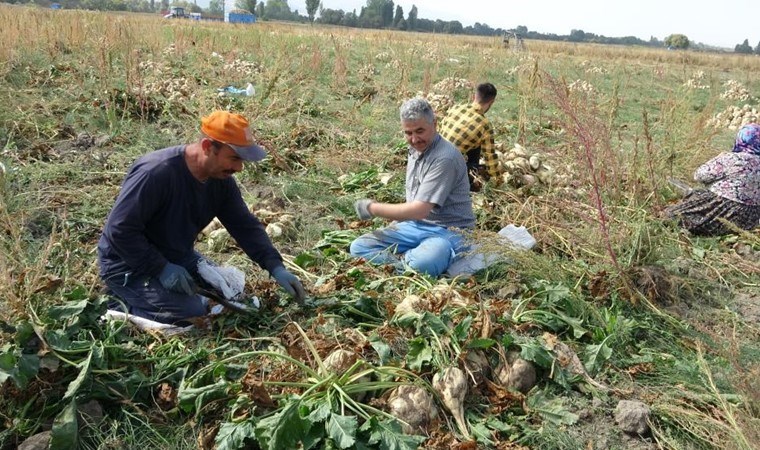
pixel 383 14
pixel 745 48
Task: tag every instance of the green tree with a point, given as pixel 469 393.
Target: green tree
pixel 260 10
pixel 453 27
pixel 371 15
pixel 376 14
pixel 744 47
pixel 399 16
pixel 757 49
pixel 248 5
pixel 411 19
pixel 278 10
pixel 387 13
pixel 311 8
pixel 216 7
pixel 577 36
pixel 350 19
pixel 679 41
pixel 330 16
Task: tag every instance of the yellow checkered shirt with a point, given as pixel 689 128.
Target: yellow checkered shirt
pixel 467 128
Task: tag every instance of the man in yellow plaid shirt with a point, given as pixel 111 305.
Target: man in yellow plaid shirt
pixel 467 127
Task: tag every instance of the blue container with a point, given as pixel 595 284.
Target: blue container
pixel 236 17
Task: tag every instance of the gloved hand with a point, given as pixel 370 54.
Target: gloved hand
pixel 362 208
pixel 289 282
pixel 176 278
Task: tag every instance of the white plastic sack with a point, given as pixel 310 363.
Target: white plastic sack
pixel 147 324
pixel 518 237
pixel 228 280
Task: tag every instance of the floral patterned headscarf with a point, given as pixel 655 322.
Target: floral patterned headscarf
pixel 748 139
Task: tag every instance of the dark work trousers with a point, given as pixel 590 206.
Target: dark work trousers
pixel 146 297
pixel 473 164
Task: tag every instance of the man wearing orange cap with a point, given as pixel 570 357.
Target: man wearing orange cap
pixel 146 250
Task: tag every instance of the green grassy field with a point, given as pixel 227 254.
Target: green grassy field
pixel 653 315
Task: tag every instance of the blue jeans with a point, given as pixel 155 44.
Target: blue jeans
pixel 146 297
pixel 425 248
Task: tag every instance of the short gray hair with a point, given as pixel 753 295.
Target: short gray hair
pixel 415 109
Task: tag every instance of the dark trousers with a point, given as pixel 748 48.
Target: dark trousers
pixel 473 165
pixel 146 297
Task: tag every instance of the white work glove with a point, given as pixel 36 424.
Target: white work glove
pixel 362 208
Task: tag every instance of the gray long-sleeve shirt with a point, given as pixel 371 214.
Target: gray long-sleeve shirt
pixel 162 208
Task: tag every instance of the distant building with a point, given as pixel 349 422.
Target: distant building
pixel 55 6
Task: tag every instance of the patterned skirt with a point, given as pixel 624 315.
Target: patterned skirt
pixel 700 211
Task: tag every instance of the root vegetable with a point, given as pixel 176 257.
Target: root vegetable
pixel 274 230
pixel 477 367
pixel 521 164
pixel 535 161
pixel 528 180
pixel 447 295
pixel 544 175
pixel 265 215
pixel 568 359
pixel 412 304
pixel 338 362
pixel 414 407
pixel 516 373
pixel 451 384
pixel 214 225
pixel 518 151
pixel 218 239
pixel 287 220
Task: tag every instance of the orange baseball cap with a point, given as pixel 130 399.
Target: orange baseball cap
pixel 233 130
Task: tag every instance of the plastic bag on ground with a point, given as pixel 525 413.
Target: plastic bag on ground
pixel 518 237
pixel 147 324
pixel 249 90
pixel 512 236
pixel 228 280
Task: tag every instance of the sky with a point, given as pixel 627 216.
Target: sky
pixel 716 23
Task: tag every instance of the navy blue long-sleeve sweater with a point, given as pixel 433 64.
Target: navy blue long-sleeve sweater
pixel 160 211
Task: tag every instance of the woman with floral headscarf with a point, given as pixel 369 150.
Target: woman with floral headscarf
pixel 732 193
